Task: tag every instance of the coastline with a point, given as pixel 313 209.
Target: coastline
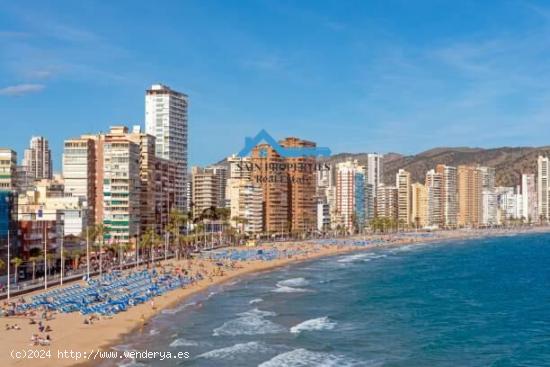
pixel 71 334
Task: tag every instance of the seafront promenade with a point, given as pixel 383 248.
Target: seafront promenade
pixel 93 315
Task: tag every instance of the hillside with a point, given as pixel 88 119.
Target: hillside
pixel 509 162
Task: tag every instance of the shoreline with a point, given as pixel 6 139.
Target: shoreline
pixel 109 332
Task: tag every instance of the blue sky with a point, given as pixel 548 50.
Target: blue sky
pixel 355 76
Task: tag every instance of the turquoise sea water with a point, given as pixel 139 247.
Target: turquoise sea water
pixel 482 302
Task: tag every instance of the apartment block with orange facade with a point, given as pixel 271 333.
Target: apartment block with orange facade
pixel 470 189
pixel 302 203
pixel 267 172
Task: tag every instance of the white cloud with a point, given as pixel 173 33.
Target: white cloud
pixel 39 74
pixel 21 89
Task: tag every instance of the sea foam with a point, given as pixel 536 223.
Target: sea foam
pixel 353 258
pixel 255 300
pixel 284 289
pixel 180 342
pixel 249 323
pixel 229 353
pixel 321 323
pixel 291 286
pixel 173 311
pixel 293 282
pixel 305 358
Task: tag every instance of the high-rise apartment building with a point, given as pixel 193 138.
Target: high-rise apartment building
pixel 221 184
pixel 79 173
pixel 345 192
pixel 403 184
pixel 274 182
pixel 166 120
pixel 244 197
pixel 38 158
pixel 449 195
pixel 529 197
pixel 206 189
pixel 489 200
pixel 509 203
pixel 434 185
pixel 386 202
pixel 419 205
pixel 246 206
pixel 301 181
pixel 8 220
pixel 121 186
pixel 87 176
pixel 489 208
pixel 470 190
pixel 375 170
pixel 543 188
pixel 8 170
pixel 360 201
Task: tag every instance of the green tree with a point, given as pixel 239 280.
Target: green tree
pixel 150 240
pixel 176 221
pixel 16 262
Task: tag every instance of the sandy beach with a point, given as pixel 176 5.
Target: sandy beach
pixel 70 333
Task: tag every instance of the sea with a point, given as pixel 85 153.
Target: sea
pixel 481 302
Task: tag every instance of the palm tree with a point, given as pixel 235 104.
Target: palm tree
pixel 242 221
pixel 417 222
pixel 49 258
pixel 401 224
pixel 16 262
pixel 149 240
pixel 33 260
pixel 175 221
pixel 35 256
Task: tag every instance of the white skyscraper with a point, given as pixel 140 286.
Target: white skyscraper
pixel 375 170
pixel 166 119
pixel 38 159
pixel 543 188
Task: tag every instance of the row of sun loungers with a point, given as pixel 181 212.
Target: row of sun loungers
pixel 108 295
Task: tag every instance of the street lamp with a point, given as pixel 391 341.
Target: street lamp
pixel 9 245
pixel 45 256
pixel 87 254
pixel 62 241
pixel 7 199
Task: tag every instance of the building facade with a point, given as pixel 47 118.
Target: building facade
pixel 449 195
pixel 386 202
pixel 375 170
pixel 166 119
pixel 8 170
pixel 419 205
pixel 274 182
pixel 121 186
pixel 470 190
pixel 8 225
pixel 529 197
pixel 345 193
pixel 403 184
pixel 38 158
pixel 543 188
pixel 301 182
pixel 79 173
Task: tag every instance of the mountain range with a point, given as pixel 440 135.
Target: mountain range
pixel 509 162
